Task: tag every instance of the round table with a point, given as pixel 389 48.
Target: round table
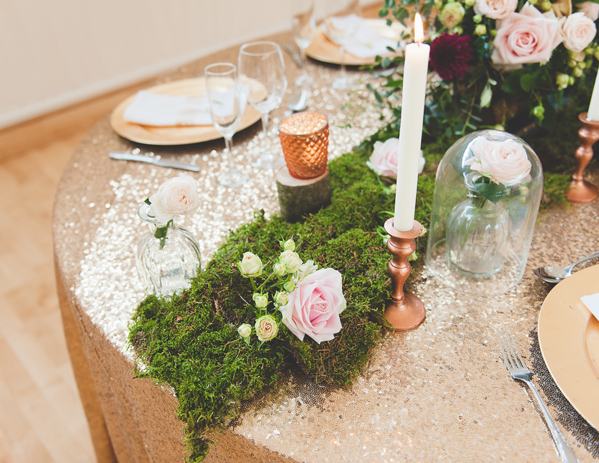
pixel 438 392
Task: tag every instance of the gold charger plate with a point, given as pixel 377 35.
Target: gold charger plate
pixel 569 341
pixel 173 135
pixel 323 49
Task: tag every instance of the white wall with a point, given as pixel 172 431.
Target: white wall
pixel 54 53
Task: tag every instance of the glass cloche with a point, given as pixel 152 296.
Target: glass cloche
pixel 487 194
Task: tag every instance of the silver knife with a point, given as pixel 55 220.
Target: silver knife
pixel 152 160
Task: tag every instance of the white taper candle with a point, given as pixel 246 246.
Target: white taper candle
pixel 410 133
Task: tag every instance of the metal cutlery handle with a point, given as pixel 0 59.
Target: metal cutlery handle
pixel 564 449
pixel 580 261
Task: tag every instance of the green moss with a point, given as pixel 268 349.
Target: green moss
pixel 191 342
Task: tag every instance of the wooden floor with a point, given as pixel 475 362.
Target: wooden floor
pixel 41 419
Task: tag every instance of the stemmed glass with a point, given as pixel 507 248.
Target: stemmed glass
pixel 303 26
pixel 343 37
pixel 261 65
pixel 226 109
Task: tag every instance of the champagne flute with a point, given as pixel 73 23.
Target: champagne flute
pixel 303 26
pixel 226 109
pixel 261 65
pixel 343 37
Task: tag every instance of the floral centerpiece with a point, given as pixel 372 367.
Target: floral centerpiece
pixel 307 301
pixel 493 58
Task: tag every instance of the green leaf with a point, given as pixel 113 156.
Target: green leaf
pixel 512 83
pixel 490 190
pixel 527 82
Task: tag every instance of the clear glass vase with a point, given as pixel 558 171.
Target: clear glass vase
pixel 168 256
pixel 481 230
pixel 477 234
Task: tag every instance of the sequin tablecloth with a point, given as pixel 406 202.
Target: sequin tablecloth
pixel 439 393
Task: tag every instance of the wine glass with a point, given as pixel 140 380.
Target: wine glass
pixel 226 110
pixel 261 66
pixel 342 37
pixel 303 26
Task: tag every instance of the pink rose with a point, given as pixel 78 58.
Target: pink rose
pixel 495 9
pixel 315 305
pixel 591 9
pixel 579 32
pixel 384 158
pixel 526 37
pixel 176 196
pixel 502 161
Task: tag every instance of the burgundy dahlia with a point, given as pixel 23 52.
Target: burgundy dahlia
pixel 450 55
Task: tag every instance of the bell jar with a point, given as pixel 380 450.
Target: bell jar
pixel 487 194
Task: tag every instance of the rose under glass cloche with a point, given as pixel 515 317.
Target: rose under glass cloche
pixel 487 193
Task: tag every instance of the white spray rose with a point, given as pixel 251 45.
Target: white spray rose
pixel 261 300
pixel 245 330
pixel 452 14
pixel 279 269
pixel 289 245
pixel 291 260
pixel 266 328
pixel 289 286
pixel 250 265
pixel 281 298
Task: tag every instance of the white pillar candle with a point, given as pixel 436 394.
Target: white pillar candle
pixel 593 112
pixel 410 132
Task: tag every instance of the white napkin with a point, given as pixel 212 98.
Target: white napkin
pixel 165 110
pixel 592 303
pixel 365 42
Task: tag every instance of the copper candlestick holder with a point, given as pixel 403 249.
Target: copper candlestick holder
pixel 581 191
pixel 404 310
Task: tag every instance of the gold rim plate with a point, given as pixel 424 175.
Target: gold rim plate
pixel 323 49
pixel 173 135
pixel 569 340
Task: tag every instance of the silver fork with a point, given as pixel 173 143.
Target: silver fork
pixel 518 369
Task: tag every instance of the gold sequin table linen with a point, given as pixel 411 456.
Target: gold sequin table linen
pixel 438 393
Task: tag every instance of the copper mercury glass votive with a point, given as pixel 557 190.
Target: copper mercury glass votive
pixel 305 142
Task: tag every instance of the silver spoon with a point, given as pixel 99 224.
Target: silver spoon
pixel 557 274
pixel 299 101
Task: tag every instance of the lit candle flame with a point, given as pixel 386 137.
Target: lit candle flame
pixel 418 29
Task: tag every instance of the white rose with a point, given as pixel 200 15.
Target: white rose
pixel 176 196
pixel 289 245
pixel 452 14
pixel 591 9
pixel 261 300
pixel 495 9
pixel 281 298
pixel 306 269
pixel 250 265
pixel 502 161
pixel 279 269
pixel 384 158
pixel 289 286
pixel 579 31
pixel 291 261
pixel 266 328
pixel 244 330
